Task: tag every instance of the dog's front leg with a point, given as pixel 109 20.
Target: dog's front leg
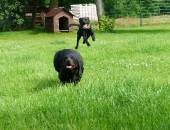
pixel 62 76
pixel 78 38
pixel 84 37
pixel 93 37
pixel 92 33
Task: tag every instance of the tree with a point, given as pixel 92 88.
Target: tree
pixel 99 7
pixel 22 13
pixel 53 4
pixel 34 14
pixel 121 8
pixel 10 14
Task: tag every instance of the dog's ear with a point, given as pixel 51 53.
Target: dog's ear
pixel 80 20
pixel 88 19
pixel 80 68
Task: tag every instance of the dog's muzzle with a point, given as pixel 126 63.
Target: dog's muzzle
pixel 86 26
pixel 69 64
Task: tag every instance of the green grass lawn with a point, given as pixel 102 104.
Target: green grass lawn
pixel 125 85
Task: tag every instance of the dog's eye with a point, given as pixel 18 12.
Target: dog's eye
pixel 71 57
pixel 66 57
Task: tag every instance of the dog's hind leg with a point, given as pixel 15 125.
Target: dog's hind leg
pixel 86 41
pixel 85 38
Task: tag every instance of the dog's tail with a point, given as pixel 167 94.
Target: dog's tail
pixel 74 25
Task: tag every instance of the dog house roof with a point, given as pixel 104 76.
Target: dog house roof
pixel 55 11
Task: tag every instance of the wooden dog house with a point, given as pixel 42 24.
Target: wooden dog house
pixel 58 19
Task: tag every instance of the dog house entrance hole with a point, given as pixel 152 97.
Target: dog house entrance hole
pixel 63 24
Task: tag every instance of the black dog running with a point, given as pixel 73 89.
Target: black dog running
pixel 84 30
pixel 69 65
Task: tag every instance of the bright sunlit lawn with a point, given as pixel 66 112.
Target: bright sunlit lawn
pixel 125 85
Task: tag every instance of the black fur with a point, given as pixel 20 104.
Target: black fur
pixel 84 30
pixel 69 65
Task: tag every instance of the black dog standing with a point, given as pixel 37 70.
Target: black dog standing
pixel 69 65
pixel 84 30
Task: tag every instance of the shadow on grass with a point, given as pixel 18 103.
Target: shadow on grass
pixel 46 83
pixel 38 31
pixel 42 30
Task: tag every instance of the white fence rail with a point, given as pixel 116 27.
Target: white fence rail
pixel 85 10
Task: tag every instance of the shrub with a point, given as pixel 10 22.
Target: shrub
pixel 10 14
pixel 106 24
